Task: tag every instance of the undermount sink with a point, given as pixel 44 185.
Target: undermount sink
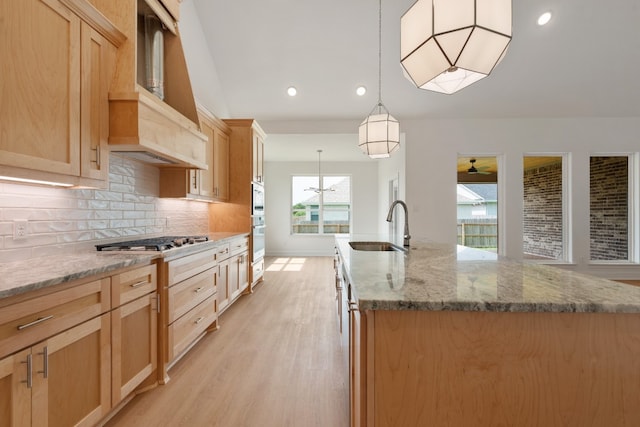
pixel 376 246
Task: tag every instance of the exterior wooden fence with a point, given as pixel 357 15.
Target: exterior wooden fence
pixel 478 233
pixel 313 228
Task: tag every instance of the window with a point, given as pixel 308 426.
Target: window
pixel 477 202
pixel 320 206
pixel 609 208
pixel 543 208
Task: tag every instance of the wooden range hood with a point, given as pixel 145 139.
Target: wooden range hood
pixel 161 132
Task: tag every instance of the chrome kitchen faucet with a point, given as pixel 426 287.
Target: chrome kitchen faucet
pixel 407 236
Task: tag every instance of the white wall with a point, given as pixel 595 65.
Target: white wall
pixel 202 69
pixel 434 145
pixel 364 190
pixel 391 168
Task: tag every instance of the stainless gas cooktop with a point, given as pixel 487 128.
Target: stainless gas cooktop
pixel 153 244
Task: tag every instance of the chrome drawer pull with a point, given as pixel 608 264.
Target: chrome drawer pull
pixel 197 291
pixel 198 320
pixel 135 285
pixel 35 322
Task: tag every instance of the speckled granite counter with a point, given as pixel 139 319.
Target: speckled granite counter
pixel 24 276
pixel 432 276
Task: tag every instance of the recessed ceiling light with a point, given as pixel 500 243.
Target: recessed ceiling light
pixel 292 91
pixel 544 18
pixel 361 90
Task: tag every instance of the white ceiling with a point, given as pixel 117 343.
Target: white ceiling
pixel 584 63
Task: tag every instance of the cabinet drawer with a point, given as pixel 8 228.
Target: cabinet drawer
pixel 223 251
pixel 186 329
pixel 187 294
pixel 238 246
pixel 257 271
pixel 133 284
pixel 35 319
pixel 183 268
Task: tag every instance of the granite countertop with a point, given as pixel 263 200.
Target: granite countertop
pixel 19 277
pixel 435 276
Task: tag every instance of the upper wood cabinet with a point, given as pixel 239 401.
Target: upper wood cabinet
pixel 258 157
pixel 212 184
pixel 161 131
pixel 246 149
pixel 58 57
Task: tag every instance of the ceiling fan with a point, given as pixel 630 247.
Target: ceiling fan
pixel 472 170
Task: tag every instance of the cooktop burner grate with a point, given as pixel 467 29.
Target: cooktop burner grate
pixel 152 244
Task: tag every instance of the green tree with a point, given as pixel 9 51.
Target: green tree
pixel 299 209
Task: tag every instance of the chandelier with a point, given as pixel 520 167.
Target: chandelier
pixel 446 45
pixel 379 133
pixel 319 189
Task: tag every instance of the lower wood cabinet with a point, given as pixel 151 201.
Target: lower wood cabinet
pixel 62 381
pixel 67 358
pixel 190 298
pixel 232 275
pixel 222 282
pixel 134 323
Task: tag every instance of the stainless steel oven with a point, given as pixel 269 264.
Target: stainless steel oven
pixel 257 199
pixel 257 238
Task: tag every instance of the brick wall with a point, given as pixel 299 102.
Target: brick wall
pixel 609 208
pixel 542 211
pixel 66 220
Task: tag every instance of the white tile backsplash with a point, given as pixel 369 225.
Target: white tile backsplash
pixel 68 220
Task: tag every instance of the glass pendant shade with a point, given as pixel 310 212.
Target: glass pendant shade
pixel 446 45
pixel 379 135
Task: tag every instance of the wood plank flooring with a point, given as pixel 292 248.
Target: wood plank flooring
pixel 276 360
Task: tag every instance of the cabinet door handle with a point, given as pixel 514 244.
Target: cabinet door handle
pixel 195 179
pixel 45 362
pixel 158 302
pixel 97 160
pixel 29 379
pixel 138 284
pixel 198 320
pixel 197 291
pixel 35 322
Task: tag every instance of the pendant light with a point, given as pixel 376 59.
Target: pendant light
pixel 446 45
pixel 319 189
pixel 379 133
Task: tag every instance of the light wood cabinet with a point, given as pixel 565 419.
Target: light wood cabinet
pixel 222 281
pixel 134 321
pixel 190 298
pixel 54 114
pixel 246 165
pixel 61 381
pixel 232 276
pixel 357 364
pixel 258 158
pixel 15 405
pixel 210 185
pixel 67 358
pixel 238 267
pixel 220 164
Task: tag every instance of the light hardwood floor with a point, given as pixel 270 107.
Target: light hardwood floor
pixel 276 360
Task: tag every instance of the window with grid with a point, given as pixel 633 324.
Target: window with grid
pixel 320 205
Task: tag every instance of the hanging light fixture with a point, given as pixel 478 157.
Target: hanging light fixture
pixel 319 189
pixel 446 45
pixel 379 133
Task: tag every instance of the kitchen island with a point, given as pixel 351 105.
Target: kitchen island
pixel 448 335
